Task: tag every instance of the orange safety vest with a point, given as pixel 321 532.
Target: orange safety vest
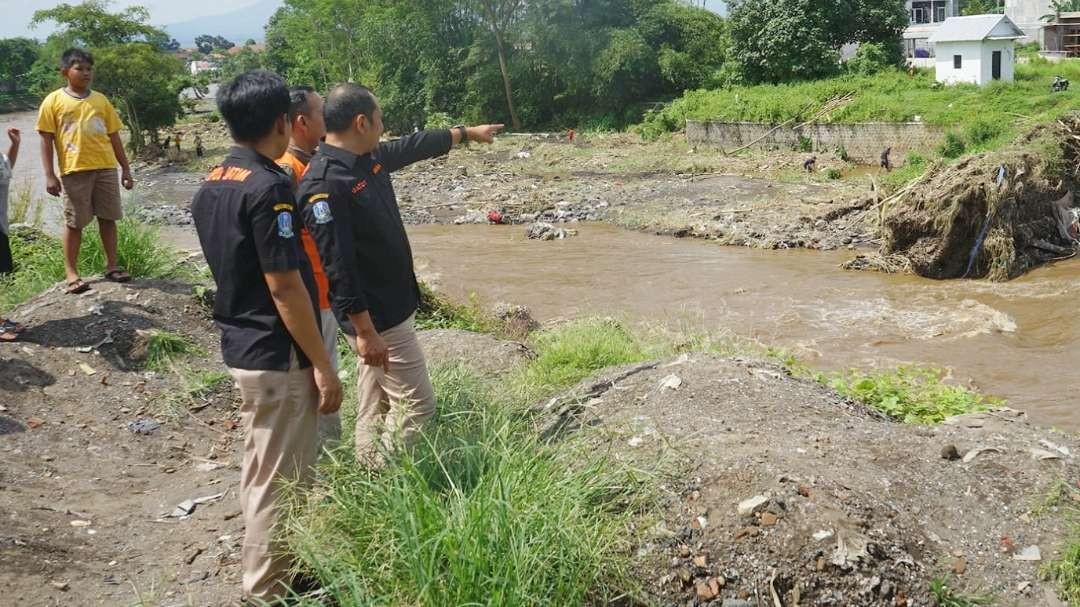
pixel 322 283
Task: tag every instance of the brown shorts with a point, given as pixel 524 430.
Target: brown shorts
pixel 89 194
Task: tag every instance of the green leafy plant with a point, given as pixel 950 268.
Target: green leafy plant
pixel 953 146
pixel 916 395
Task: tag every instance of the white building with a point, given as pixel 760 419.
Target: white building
pixel 977 49
pixel 926 16
pixel 198 67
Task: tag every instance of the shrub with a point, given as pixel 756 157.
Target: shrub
pixel 953 146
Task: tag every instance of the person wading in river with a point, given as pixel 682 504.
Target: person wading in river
pixel 348 203
pixel 245 215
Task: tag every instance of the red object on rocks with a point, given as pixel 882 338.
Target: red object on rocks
pixel 495 217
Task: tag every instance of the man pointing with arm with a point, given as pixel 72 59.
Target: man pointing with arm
pixel 348 205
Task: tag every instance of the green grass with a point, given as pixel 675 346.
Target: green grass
pixel 438 312
pixel 570 353
pixel 914 395
pixel 947 596
pixel 481 512
pixel 1065 570
pixel 164 349
pixel 39 259
pixel 891 96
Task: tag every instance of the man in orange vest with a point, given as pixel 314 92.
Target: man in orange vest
pixel 308 128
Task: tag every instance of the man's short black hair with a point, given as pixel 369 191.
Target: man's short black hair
pixel 251 103
pixel 75 55
pixel 344 103
pixel 298 101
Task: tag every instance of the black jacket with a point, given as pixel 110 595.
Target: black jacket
pixel 248 225
pixel 348 205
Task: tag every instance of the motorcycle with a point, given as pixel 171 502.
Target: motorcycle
pixel 1059 85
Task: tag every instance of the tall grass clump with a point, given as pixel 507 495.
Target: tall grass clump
pixel 913 395
pixel 568 354
pixel 436 311
pixel 39 259
pixel 481 512
pixel 164 348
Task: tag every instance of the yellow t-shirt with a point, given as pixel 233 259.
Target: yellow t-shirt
pixel 81 128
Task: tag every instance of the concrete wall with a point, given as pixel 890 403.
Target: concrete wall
pixel 1027 14
pixel 970 65
pixel 977 65
pixel 863 142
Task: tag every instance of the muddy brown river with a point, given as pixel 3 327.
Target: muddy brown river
pixel 1011 340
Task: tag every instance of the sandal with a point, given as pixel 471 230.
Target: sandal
pixel 77 286
pixel 117 275
pixel 6 335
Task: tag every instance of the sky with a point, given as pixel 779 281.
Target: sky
pixel 17 13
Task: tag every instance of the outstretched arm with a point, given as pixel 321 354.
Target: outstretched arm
pixel 402 152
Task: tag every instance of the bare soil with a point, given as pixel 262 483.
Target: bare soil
pixel 854 509
pixel 85 500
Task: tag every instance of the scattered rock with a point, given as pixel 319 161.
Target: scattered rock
pixel 547 231
pixel 145 426
pixel 1031 553
pixel 752 505
pixel 671 382
pixel 61 586
pixel 949 452
pixel 977 451
pixel 768 519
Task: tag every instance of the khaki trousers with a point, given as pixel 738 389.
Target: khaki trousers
pixel 329 423
pixel 280 416
pixel 393 405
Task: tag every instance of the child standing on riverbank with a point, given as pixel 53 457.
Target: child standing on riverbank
pixel 9 330
pixel 84 130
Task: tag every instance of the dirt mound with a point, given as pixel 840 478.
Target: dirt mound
pixel 785 488
pixel 483 353
pixel 994 215
pixel 96 452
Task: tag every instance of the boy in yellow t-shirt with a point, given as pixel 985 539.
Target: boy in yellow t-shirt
pixel 84 130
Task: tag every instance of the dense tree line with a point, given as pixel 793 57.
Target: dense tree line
pixel 535 63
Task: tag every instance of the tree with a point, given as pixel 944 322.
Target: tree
pixel 90 24
pixel 249 42
pixel 171 46
pixel 17 57
pixel 983 7
pixel 144 85
pixel 784 40
pixel 1061 6
pixel 208 44
pixel 499 15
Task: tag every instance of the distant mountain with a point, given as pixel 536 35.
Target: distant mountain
pixel 237 26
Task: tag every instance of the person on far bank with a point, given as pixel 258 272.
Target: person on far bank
pixel 308 128
pixel 9 329
pixel 348 204
pixel 247 221
pixel 83 129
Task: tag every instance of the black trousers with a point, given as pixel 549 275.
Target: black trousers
pixel 6 263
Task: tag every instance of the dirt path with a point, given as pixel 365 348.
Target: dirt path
pixel 86 501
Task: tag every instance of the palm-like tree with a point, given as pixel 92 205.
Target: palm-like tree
pixel 1061 6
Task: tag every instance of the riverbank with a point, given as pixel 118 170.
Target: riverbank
pixel 853 507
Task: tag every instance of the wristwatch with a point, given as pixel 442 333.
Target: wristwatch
pixel 464 134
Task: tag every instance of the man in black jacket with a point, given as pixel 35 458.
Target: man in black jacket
pixel 348 205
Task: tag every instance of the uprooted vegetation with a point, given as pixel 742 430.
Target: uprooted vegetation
pixel 994 215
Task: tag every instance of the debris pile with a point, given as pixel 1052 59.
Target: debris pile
pixel 994 215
